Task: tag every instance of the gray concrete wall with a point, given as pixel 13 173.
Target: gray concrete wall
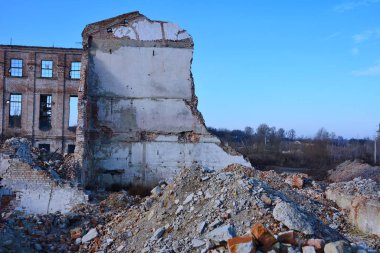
pixel 140 122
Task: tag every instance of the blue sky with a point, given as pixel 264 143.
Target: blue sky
pixel 298 64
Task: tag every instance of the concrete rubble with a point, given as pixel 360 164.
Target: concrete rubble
pixel 201 210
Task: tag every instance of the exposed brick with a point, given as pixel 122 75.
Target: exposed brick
pixel 241 244
pixel 262 234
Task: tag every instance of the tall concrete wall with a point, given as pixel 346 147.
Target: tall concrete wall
pixel 138 118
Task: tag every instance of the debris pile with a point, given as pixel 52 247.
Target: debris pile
pixel 31 184
pixel 208 211
pixel 237 209
pixel 349 170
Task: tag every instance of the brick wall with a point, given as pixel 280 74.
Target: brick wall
pixel 31 85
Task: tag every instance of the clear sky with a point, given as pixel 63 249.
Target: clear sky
pixel 301 64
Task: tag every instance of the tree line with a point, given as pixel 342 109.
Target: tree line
pixel 266 146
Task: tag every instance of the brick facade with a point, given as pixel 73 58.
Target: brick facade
pixel 31 85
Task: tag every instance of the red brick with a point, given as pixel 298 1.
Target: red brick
pixel 262 234
pixel 241 244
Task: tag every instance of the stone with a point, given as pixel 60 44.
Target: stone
pixel 266 199
pixel 188 199
pixel 156 191
pixel 221 234
pixel 196 243
pixel 241 244
pixel 297 182
pixel 262 234
pixel 308 249
pixel 179 210
pixel 158 234
pixel 288 237
pixel 216 223
pixel 90 235
pixel 38 247
pixel 201 227
pixel 318 244
pixel 120 248
pixel 78 241
pixel 293 217
pixel 208 195
pixel 76 233
pixel 338 247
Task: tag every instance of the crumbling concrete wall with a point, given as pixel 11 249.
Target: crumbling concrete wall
pixel 35 191
pixel 138 118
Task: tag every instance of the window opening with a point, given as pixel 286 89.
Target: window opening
pixel 75 70
pixel 16 67
pixel 73 112
pixel 45 112
pixel 15 110
pixel 47 69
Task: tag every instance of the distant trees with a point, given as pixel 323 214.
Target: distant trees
pixel 268 146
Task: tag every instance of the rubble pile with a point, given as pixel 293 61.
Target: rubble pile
pixel 349 170
pixel 67 169
pixel 237 209
pixel 207 211
pixel 30 182
pixel 60 168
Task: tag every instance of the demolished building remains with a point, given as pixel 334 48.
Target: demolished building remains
pixel 138 118
pixel 137 111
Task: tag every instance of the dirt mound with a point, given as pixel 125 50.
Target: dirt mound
pixel 349 170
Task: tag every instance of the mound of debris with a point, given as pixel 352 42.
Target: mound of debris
pixel 208 211
pixel 349 170
pixel 32 184
pixel 238 209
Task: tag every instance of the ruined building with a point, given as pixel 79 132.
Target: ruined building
pixel 38 87
pixel 137 111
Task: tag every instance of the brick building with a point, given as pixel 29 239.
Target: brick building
pixel 39 87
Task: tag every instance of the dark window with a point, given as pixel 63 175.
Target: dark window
pixel 45 112
pixel 15 110
pixel 16 67
pixel 70 148
pixel 46 147
pixel 73 113
pixel 75 70
pixel 47 69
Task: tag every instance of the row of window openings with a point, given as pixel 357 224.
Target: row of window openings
pixel 46 148
pixel 46 69
pixel 15 109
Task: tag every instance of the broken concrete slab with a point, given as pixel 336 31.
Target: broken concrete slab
pixel 293 218
pixel 361 197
